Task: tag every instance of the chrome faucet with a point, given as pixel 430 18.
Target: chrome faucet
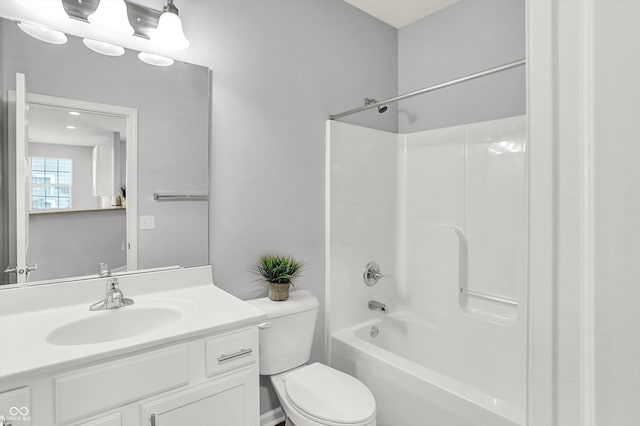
pixel 114 298
pixel 374 305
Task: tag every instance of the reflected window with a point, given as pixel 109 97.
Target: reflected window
pixel 50 183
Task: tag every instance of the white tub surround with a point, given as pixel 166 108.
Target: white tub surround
pixel 443 212
pixel 184 349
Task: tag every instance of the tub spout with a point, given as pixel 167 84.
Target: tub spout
pixel 374 305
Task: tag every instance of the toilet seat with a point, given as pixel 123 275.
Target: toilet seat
pixel 328 396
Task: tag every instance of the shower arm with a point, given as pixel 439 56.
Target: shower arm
pixel 469 77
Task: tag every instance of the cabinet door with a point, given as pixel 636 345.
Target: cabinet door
pixel 231 400
pixel 15 407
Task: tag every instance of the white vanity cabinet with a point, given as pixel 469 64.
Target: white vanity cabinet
pixel 208 381
pixel 184 354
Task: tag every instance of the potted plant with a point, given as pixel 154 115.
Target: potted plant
pixel 279 272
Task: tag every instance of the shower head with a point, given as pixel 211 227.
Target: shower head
pixel 381 108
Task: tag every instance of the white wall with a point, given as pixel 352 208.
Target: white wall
pixel 4 190
pixel 617 209
pixel 595 344
pixel 468 37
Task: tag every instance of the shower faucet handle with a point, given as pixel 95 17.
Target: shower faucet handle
pixel 371 274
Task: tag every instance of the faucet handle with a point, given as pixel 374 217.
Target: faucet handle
pixel 371 274
pixel 104 270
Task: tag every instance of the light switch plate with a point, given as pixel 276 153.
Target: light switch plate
pixel 147 222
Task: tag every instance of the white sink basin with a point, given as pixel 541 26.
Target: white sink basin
pixel 113 324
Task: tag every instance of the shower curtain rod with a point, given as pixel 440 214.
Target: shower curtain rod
pixel 431 88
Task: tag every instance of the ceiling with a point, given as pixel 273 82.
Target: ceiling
pixel 49 125
pixel 399 13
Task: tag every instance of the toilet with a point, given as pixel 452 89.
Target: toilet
pixel 310 394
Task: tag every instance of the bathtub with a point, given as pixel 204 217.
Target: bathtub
pixel 421 376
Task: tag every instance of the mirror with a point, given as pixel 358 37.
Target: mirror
pixel 76 187
pixel 66 238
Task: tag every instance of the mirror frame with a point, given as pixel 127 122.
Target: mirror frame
pixel 131 117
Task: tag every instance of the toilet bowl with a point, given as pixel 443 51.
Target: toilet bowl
pixel 314 394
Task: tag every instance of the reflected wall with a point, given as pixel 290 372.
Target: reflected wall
pixel 173 107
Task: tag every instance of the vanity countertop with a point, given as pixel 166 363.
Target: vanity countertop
pixel 201 309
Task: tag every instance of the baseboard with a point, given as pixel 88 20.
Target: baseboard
pixel 272 418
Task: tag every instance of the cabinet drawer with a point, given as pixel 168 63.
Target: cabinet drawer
pixel 231 351
pixel 116 383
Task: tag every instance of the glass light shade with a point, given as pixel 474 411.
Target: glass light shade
pixel 43 34
pixel 156 60
pixel 103 48
pixel 169 33
pixel 111 16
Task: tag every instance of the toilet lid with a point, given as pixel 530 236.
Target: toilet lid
pixel 330 395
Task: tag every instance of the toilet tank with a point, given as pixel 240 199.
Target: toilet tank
pixel 287 334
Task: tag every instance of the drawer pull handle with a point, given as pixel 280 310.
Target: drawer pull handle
pixel 241 352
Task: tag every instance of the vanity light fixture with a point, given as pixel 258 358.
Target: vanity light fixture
pixel 52 11
pixel 74 113
pixel 71 127
pixel 169 33
pixel 103 47
pixel 43 33
pixel 156 60
pixel 111 17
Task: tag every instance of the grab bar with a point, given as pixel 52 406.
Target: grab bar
pixel 194 197
pixel 488 296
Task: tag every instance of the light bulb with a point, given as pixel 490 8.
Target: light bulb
pixel 169 33
pixel 111 16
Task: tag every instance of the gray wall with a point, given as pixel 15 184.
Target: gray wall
pixel 81 174
pixel 280 68
pixel 66 244
pixel 468 37
pixel 173 117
